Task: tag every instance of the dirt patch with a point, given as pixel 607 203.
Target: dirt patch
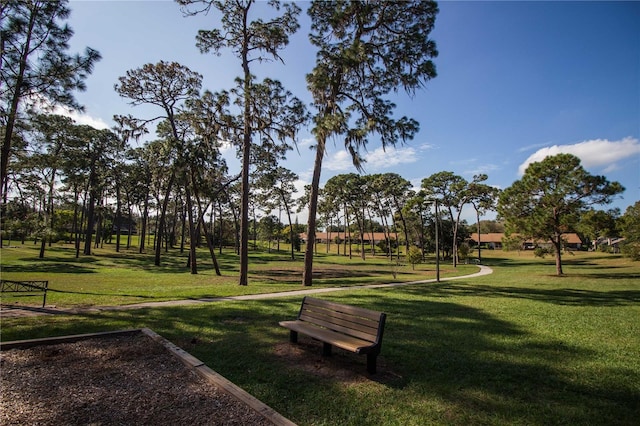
pixel 342 367
pixel 111 380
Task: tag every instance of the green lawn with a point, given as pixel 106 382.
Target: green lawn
pixel 109 278
pixel 520 346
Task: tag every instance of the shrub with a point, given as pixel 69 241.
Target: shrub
pixel 463 251
pixel 631 250
pixel 542 251
pixel 414 256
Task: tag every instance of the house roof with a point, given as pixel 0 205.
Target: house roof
pixel 492 237
pixel 377 236
pixel 496 237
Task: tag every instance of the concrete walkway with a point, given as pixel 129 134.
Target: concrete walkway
pixel 9 311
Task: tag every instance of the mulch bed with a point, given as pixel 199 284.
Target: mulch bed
pixel 124 379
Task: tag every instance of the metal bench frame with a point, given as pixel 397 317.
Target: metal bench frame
pixel 11 286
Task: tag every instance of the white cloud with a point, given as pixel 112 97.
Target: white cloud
pixel 376 160
pixel 81 118
pixel 530 147
pixel 592 153
pixel 426 147
pixel 306 175
pixel 226 146
pixel 42 105
pixel 340 161
pixel 416 184
pixel 306 142
pixel 380 158
pixel 299 185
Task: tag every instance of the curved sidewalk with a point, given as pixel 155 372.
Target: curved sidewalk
pixel 22 311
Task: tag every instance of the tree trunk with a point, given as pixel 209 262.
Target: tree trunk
pixel 82 218
pixel 192 233
pixel 328 248
pixel 479 238
pixel 160 228
pixel 404 226
pixel 118 217
pixel 143 224
pixel 291 230
pixel 130 221
pixel 347 231
pixel 183 227
pixel 220 228
pixel 74 226
pixel 307 275
pixel 362 232
pixel 454 243
pixel 43 244
pixel 209 239
pixel 90 218
pixel 13 111
pixel 246 152
pixel 557 244
pixel 373 235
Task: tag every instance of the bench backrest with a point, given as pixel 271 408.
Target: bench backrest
pixel 358 322
pixel 18 286
pixel 25 286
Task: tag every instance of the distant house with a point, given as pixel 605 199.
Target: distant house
pixel 612 243
pixel 615 244
pixel 126 226
pixel 494 241
pixel 323 237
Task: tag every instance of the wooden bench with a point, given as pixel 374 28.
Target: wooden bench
pixel 7 286
pixel 347 327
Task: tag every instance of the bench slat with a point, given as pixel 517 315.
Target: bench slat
pixel 350 328
pixel 358 322
pixel 337 307
pixel 342 341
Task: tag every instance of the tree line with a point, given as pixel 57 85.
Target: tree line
pixel 365 51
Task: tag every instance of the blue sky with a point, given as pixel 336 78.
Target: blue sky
pixel 516 81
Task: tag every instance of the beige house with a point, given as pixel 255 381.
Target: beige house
pixel 322 237
pixel 494 240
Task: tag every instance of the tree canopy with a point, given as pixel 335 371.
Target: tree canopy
pixel 630 226
pixel 366 52
pixel 35 65
pixel 547 201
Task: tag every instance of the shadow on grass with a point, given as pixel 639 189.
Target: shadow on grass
pixel 441 362
pixel 137 296
pixel 488 369
pixel 568 259
pixel 563 296
pixel 50 266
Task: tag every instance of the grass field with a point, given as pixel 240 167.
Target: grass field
pixel 520 346
pixel 109 278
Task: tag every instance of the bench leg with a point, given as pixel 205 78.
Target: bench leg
pixel 326 349
pixel 371 363
pixel 293 336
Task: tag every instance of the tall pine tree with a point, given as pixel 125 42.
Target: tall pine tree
pixel 35 65
pixel 365 51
